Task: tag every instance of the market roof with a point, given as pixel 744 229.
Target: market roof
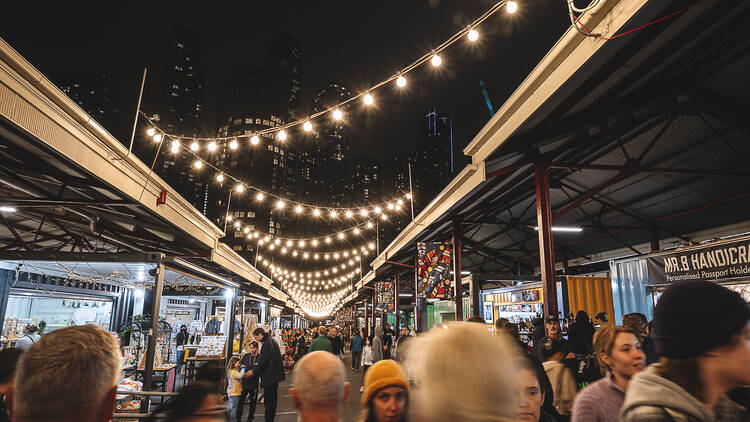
pixel 74 187
pixel 644 136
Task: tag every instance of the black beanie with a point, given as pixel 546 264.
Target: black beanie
pixel 694 317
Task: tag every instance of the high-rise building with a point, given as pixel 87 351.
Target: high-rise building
pixel 180 114
pixel 432 159
pixel 367 181
pixel 331 173
pixel 95 95
pixel 287 50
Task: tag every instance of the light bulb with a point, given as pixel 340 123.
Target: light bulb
pixel 368 99
pixel 307 126
pixel 277 241
pixel 289 243
pixel 301 243
pixel 315 242
pixel 212 146
pixel 157 137
pixel 401 81
pixel 316 212
pixel 363 212
pixel 234 144
pixel 198 164
pixel 337 114
pixel 384 217
pixel 237 224
pixel 175 146
pixel 390 206
pixel 334 214
pixel 408 196
pixel 259 196
pixel 298 209
pixel 400 202
pixel 281 135
pixel 280 204
pixel 341 235
pixel 349 214
pixel 369 224
pixel 473 35
pixel 194 146
pixel 511 7
pixel 328 240
pixel 239 188
pixel 356 230
pixel 377 210
pixel 436 60
pixel 229 218
pixel 220 177
pixel 254 140
pixel 151 131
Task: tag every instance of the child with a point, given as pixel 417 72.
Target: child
pixel 234 389
pixel 366 361
pixel 560 376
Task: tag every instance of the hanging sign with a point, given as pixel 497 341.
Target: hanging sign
pixel 711 263
pixel 384 295
pixel 433 270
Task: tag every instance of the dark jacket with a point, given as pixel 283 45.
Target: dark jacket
pixel 535 347
pixel 337 345
pixel 182 338
pixel 248 361
pixel 357 343
pixel 647 344
pixel 320 343
pixel 269 366
pixel 580 338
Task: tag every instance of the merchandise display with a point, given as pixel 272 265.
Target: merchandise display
pixel 211 346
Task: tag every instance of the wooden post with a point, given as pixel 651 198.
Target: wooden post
pixel 546 242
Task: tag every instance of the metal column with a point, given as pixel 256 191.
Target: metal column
pixel 546 242
pixel 374 298
pixel 148 370
pixel 367 320
pixel 396 307
pixel 229 314
pixel 457 271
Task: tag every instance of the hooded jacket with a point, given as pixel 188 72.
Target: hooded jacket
pixel 652 398
pixel 377 345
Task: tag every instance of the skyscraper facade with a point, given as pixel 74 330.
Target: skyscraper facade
pixel 95 95
pixel 287 50
pixel 432 159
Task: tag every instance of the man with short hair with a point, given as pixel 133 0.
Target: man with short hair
pixel 69 374
pixel 552 333
pixel 249 384
pixel 601 319
pixel 388 335
pixel 319 388
pixel 270 368
pixel 337 345
pixel 400 346
pixel 321 343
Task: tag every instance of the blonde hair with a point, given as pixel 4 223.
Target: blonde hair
pixel 604 341
pixel 66 374
pixel 465 354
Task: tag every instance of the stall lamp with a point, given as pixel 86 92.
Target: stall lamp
pixel 563 229
pixel 7 209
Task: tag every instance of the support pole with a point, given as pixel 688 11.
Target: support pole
pixel 242 323
pixel 457 271
pixel 396 289
pixel 546 242
pixel 419 324
pixel 367 320
pixel 229 315
pixel 148 370
pixel 374 298
pixel 137 111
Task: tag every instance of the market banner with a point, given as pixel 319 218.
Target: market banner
pixel 711 263
pixel 384 295
pixel 434 270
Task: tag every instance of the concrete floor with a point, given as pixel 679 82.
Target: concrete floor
pixel 285 410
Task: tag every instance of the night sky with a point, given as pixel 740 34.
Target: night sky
pixel 356 42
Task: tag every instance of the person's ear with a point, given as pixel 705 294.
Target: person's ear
pixel 606 359
pixel 107 410
pixel 542 396
pixel 347 391
pixel 295 398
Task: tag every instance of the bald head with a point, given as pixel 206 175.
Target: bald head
pixel 320 385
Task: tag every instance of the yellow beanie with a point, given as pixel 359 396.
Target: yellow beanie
pixel 385 373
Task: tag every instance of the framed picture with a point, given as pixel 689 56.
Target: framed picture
pixel 488 313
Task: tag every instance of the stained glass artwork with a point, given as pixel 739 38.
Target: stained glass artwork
pixel 384 294
pixel 433 270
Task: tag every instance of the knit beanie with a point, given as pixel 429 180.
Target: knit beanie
pixel 693 317
pixel 384 373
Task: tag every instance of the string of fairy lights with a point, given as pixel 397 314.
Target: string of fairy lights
pixel 299 285
pixel 346 254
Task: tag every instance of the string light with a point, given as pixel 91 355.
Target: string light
pixel 212 146
pixel 280 204
pixel 511 7
pixel 157 138
pixel 298 209
pixel 198 164
pixel 234 144
pixel 239 188
pixel 194 146
pixel 337 114
pixel 151 131
pixel 368 99
pixel 259 196
pixel 307 126
pixel 282 135
pixel 473 35
pixel 255 140
pixel 436 60
pixel 219 177
pixel 401 81
pixel 175 146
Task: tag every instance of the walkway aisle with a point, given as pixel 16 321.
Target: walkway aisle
pixel 285 410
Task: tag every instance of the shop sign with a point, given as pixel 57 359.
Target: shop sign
pixel 718 262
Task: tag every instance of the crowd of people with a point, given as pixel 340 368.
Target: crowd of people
pixel 692 363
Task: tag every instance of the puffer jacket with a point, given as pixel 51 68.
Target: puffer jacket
pixel 652 398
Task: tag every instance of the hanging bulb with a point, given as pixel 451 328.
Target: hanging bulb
pixel 401 81
pixel 234 144
pixel 212 146
pixel 307 126
pixel 368 99
pixel 298 209
pixel 316 212
pixel 198 164
pixel 220 177
pixel 334 214
pixel 237 224
pixel 341 235
pixel 436 60
pixel 194 146
pixel 511 7
pixel 259 196
pixel 348 214
pixel 328 240
pixel 377 210
pixel 289 243
pixel 356 230
pixel 151 131
pixel 280 204
pixel 473 35
pixel 157 138
pixel 369 224
pixel 363 212
pixel 301 243
pixel 229 218
pixel 175 146
pixel 239 188
pixel 337 114
pixel 408 196
pixel 314 242
pixel 254 140
pixel 390 206
pixel 281 135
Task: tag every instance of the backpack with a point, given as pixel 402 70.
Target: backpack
pixel 588 370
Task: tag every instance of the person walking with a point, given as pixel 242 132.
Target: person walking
pixel 638 323
pixel 367 361
pixel 234 387
pixel 356 348
pixel 388 335
pixel 29 337
pixel 321 342
pixel 337 345
pixel 581 334
pixel 270 368
pixel 386 393
pixel 618 351
pixel 400 347
pixel 249 384
pixel 377 345
pixel 702 332
pixel 560 376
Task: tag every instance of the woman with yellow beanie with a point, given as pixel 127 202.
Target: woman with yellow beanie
pixel 386 393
